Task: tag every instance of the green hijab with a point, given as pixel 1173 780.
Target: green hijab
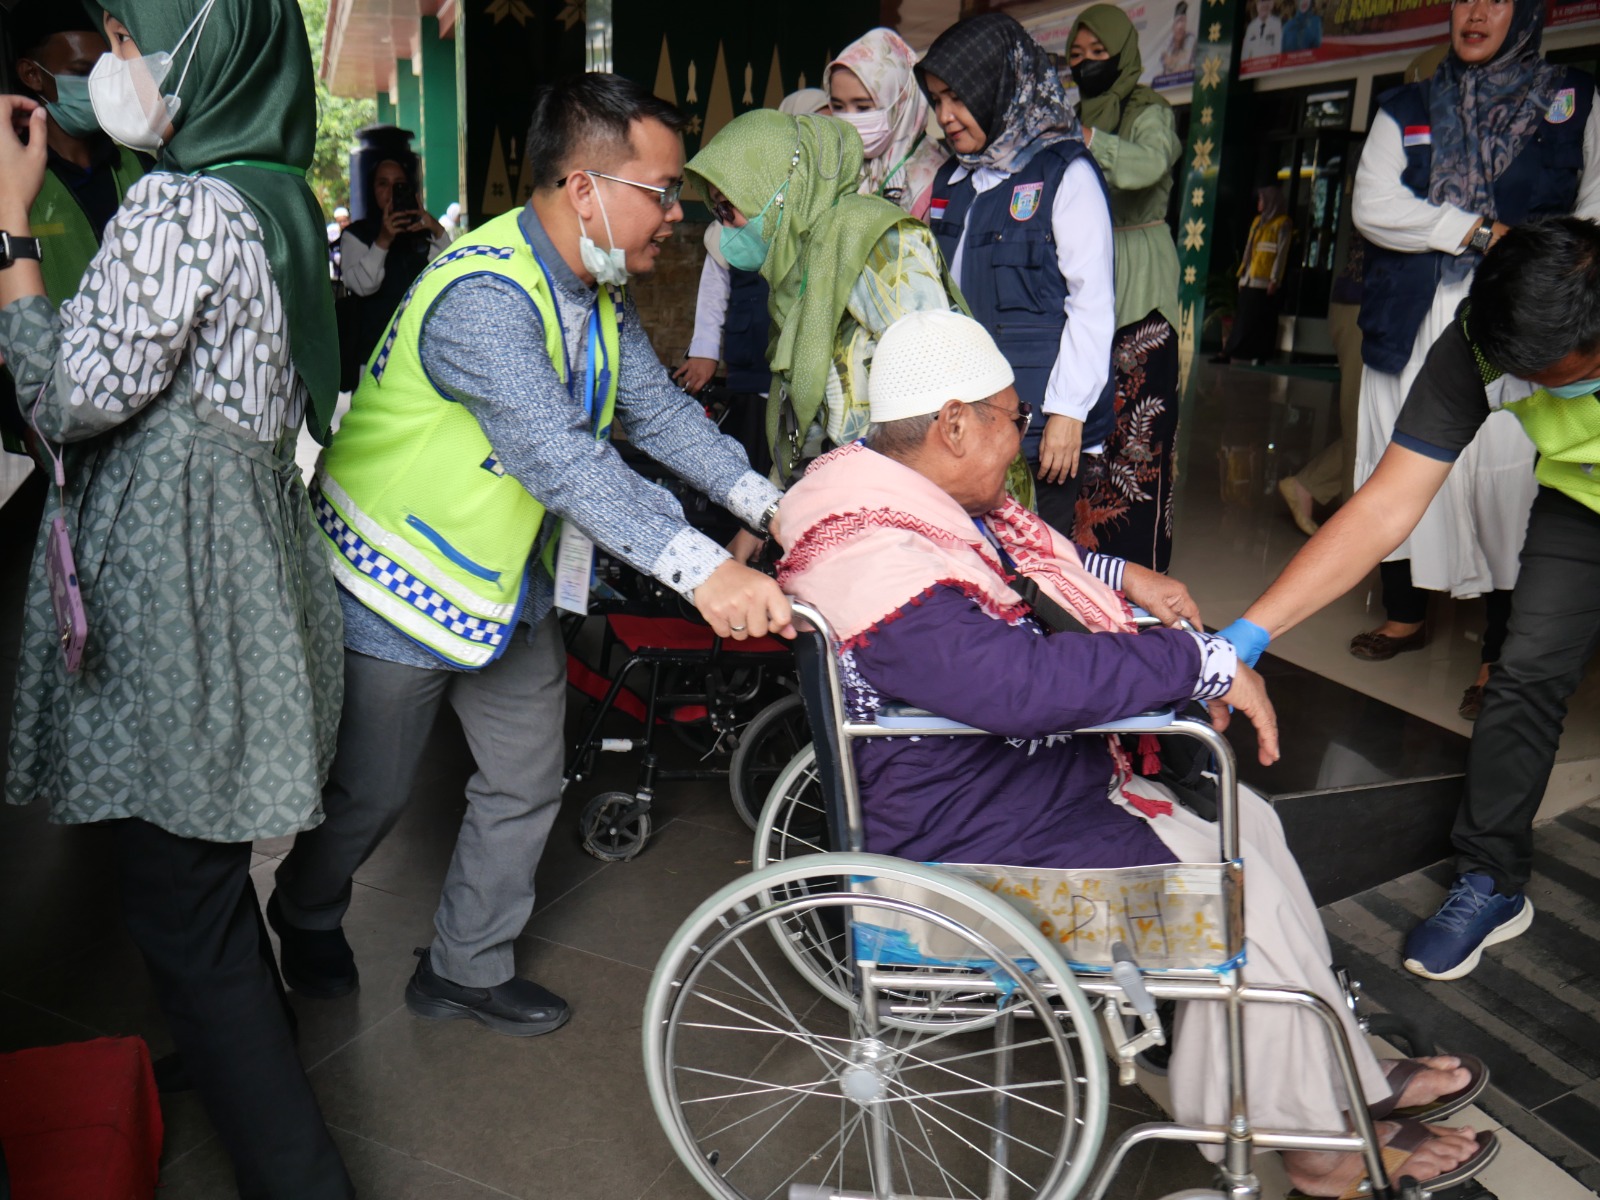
pixel 1127 95
pixel 249 116
pixel 818 242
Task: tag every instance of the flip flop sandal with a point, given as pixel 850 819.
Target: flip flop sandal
pixel 1408 1069
pixel 1410 1138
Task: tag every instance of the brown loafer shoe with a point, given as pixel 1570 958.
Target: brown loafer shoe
pixel 1378 647
pixel 1471 702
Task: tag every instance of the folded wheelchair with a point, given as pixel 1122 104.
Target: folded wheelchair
pixel 659 668
pixel 839 1025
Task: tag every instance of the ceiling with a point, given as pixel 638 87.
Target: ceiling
pixel 366 37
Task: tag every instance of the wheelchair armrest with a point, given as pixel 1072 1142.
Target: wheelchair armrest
pixel 1159 719
pixel 904 716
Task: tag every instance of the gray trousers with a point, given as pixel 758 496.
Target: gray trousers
pixel 512 713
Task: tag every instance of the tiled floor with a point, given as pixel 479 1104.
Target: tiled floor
pixel 426 1110
pixel 1230 544
pixel 1529 1009
pixel 423 1109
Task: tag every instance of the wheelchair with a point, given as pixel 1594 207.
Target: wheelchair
pixel 732 703
pixel 839 1025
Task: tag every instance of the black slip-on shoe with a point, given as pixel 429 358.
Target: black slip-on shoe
pixel 315 962
pixel 517 1007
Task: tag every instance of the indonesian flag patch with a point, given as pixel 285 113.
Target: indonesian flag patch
pixel 1417 135
pixel 936 208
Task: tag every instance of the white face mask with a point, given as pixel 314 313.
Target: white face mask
pixel 874 128
pixel 607 266
pixel 126 93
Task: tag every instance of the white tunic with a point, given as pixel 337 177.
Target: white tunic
pixel 1469 540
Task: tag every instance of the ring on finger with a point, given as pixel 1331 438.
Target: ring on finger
pixel 737 628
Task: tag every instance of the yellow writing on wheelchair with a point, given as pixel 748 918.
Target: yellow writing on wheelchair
pixel 1170 917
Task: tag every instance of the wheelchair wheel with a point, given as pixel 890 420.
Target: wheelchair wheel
pixel 615 826
pixel 763 1092
pixel 773 737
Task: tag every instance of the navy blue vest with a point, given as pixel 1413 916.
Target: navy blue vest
pixel 745 331
pixel 1009 273
pixel 1542 181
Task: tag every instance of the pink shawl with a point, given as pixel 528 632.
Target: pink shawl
pixel 865 536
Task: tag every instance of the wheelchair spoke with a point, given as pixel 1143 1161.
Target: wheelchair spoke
pixel 911 1098
pixel 776 1003
pixel 846 1131
pixel 798 1033
pixel 932 1156
pixel 980 1085
pixel 787 1090
pixel 979 1150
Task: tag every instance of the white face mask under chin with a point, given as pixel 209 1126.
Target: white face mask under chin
pixel 126 93
pixel 607 266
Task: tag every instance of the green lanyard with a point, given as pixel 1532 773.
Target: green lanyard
pixel 882 187
pixel 280 168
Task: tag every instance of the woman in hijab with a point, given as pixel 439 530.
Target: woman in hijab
pixel 731 326
pixel 1261 269
pixel 842 268
pixel 1023 217
pixel 1506 138
pixel 873 86
pixel 1126 507
pixel 203 710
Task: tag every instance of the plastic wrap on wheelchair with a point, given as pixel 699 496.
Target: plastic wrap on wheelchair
pixel 1169 916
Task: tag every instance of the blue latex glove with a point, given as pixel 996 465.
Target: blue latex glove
pixel 1248 638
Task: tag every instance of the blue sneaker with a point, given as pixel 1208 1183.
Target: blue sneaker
pixel 1449 944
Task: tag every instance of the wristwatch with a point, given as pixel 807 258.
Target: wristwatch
pixel 13 248
pixel 765 523
pixel 1482 236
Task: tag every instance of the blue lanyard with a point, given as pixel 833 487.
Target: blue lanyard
pixel 599 364
pixel 988 536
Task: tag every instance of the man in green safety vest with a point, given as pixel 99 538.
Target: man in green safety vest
pixel 1533 314
pixel 460 501
pixel 56 45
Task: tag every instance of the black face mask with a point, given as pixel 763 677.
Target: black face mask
pixel 1096 76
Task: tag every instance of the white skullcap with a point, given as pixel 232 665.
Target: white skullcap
pixel 341 211
pixel 926 359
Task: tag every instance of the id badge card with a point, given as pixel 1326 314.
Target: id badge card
pixel 574 569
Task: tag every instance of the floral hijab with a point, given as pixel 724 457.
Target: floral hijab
pixel 1483 116
pixel 904 172
pixel 1007 82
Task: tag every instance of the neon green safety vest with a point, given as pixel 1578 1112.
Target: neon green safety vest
pixel 424 526
pixel 1567 433
pixel 68 239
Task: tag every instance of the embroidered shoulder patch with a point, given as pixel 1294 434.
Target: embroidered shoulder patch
pixel 1417 135
pixel 1562 107
pixel 1025 199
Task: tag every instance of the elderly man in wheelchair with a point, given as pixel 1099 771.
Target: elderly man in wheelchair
pixel 942 593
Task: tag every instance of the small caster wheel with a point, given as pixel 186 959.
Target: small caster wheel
pixel 615 826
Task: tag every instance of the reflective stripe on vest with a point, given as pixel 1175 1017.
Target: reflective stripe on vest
pixel 422 523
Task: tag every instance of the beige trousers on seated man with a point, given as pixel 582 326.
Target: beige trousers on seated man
pixel 1292 1079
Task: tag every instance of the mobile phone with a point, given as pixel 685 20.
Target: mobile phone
pixel 403 198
